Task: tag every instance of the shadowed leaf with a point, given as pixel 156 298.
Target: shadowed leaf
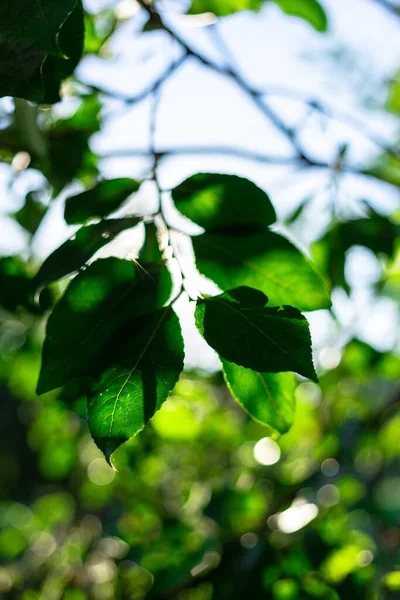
pixel 40 45
pixel 98 301
pixel 31 214
pixel 76 251
pixel 268 340
pixel 100 201
pixel 16 287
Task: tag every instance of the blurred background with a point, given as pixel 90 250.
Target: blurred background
pixel 204 504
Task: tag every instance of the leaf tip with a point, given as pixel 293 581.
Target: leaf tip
pixel 49 379
pixel 41 387
pixel 108 447
pixel 39 390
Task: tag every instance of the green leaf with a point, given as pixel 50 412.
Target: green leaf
pixel 268 340
pixel 267 397
pixel 386 168
pixel 16 287
pixel 97 302
pixel 264 260
pixel 36 23
pixel 216 201
pixel 98 31
pixel 309 10
pixel 143 370
pixel 70 137
pixel 76 251
pixel 31 214
pixel 21 83
pixel 222 8
pixel 40 44
pixel 393 101
pixel 100 201
pixel 246 296
pixel 375 232
pixel 297 213
pixel 150 251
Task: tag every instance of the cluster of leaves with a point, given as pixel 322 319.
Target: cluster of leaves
pixel 115 330
pixel 238 251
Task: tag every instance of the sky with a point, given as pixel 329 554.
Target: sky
pixel 347 68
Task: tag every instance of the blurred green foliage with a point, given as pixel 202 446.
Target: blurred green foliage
pixel 200 506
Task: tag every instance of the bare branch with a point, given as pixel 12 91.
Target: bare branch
pixel 393 9
pixel 258 98
pixel 294 161
pixel 334 114
pixel 205 150
pixel 174 66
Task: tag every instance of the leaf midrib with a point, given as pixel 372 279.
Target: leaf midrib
pixel 149 341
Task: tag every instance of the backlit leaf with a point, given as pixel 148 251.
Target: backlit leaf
pixel 76 251
pixel 309 10
pixel 267 397
pixel 145 366
pixel 150 251
pixel 263 260
pixel 268 340
pixel 221 8
pixel 99 201
pixel 97 302
pixel 70 137
pixel 216 201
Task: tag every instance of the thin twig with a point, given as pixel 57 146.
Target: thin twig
pixel 258 96
pixel 394 10
pixel 334 114
pixel 205 150
pixel 294 161
pixel 232 71
pixel 174 66
pixel 254 95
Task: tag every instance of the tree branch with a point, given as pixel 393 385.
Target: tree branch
pixel 334 114
pixel 258 99
pixel 254 95
pixel 295 160
pixel 206 150
pixel 394 10
pixel 151 89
